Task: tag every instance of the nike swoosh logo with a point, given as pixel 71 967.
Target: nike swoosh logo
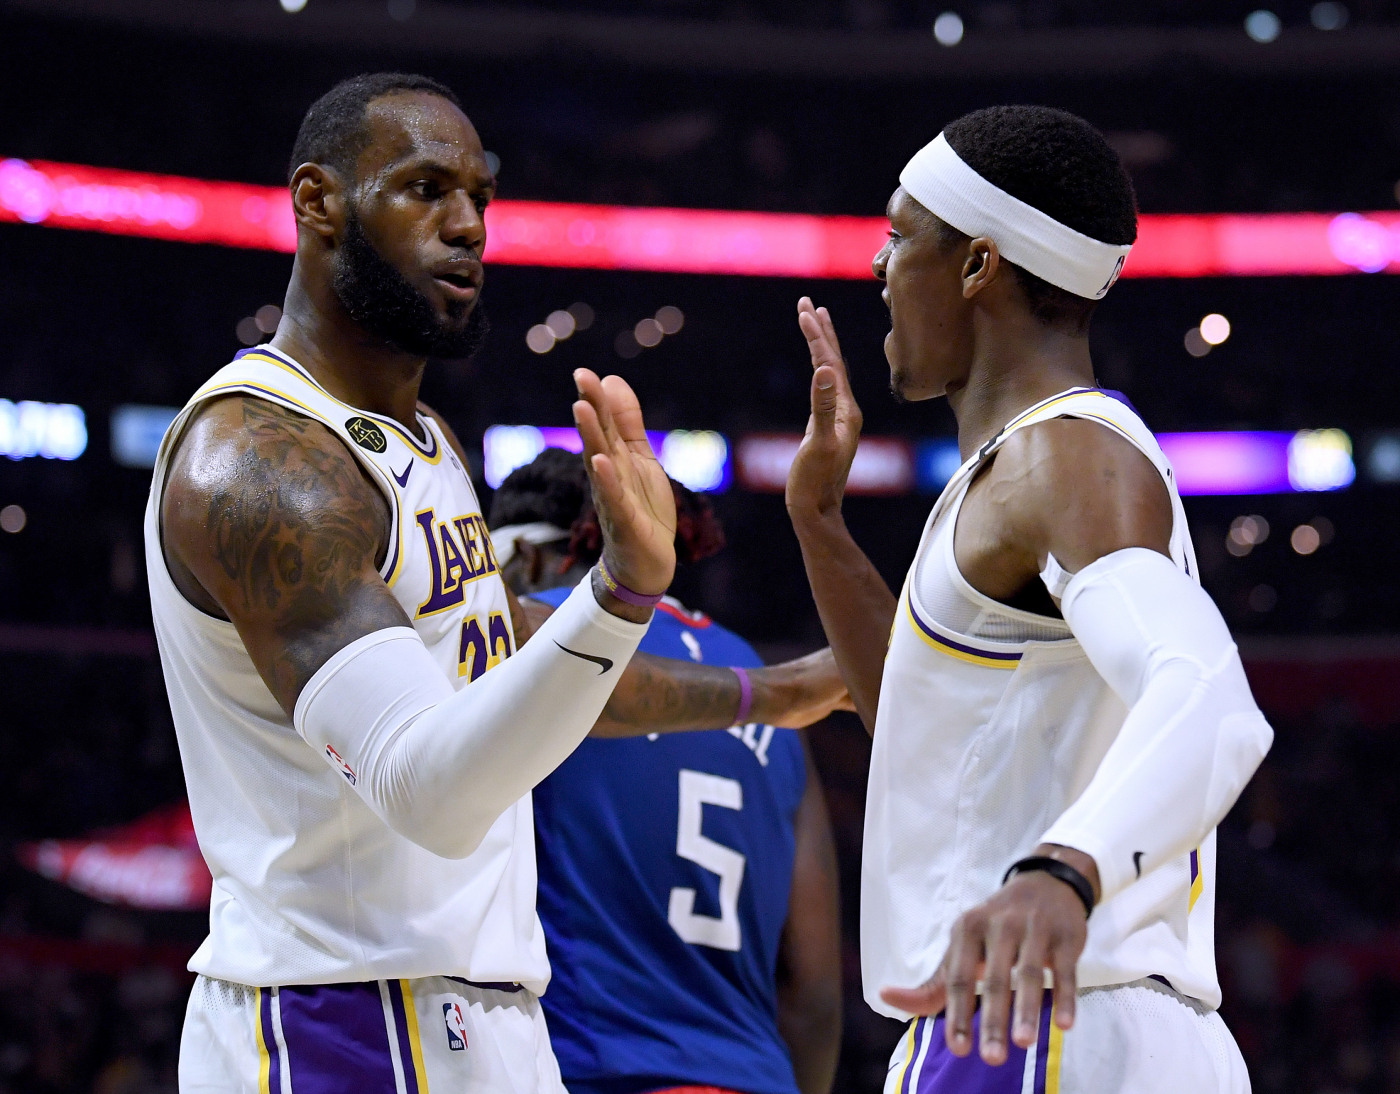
pixel 602 662
pixel 1137 862
pixel 402 480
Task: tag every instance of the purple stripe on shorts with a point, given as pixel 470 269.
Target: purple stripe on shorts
pixel 274 1072
pixel 410 1074
pixel 337 1039
pixel 920 1031
pixel 1042 1046
pixel 944 1073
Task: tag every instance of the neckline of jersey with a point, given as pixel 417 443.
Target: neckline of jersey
pixel 288 362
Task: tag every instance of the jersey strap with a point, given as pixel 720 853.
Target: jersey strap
pixel 371 438
pixel 1096 405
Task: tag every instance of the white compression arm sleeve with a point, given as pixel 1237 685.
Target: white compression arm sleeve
pixel 1193 735
pixel 440 766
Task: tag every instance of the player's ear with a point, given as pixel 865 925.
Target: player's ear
pixel 981 266
pixel 317 199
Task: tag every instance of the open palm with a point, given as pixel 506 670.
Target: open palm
pixel 636 508
pixel 817 478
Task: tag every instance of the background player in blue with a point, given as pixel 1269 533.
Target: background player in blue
pixel 687 882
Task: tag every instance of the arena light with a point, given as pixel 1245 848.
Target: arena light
pixel 1262 26
pixel 1383 458
pixel 610 237
pixel 55 431
pixel 1260 462
pixel 936 461
pixel 137 432
pixel 1204 463
pixel 1320 459
pixel 883 465
pixel 948 29
pixel 696 458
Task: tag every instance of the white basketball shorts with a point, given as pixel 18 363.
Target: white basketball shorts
pixel 1138 1038
pixel 378 1037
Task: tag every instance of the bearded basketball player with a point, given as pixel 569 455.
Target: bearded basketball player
pixel 1061 718
pixel 359 714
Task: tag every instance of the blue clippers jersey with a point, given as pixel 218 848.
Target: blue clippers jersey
pixel 665 868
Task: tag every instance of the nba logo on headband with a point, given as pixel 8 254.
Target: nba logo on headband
pixel 1117 269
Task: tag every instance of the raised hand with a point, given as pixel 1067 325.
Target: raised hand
pixel 856 606
pixel 636 508
pixel 817 478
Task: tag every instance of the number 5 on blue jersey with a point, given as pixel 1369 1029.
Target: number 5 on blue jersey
pixel 696 791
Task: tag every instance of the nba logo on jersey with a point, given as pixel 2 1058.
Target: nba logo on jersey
pixel 456 1027
pixel 340 765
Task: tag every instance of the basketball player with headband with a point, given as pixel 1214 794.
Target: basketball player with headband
pixel 1061 719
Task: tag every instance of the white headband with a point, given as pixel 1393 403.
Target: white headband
pixel 504 538
pixel 948 188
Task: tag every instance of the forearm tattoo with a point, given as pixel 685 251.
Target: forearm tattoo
pixel 659 694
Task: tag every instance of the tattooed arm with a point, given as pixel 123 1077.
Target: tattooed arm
pixel 269 522
pixel 667 695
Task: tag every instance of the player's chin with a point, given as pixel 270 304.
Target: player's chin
pixel 454 311
pixel 899 375
pixel 910 387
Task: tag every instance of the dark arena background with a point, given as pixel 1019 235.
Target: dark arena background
pixel 673 175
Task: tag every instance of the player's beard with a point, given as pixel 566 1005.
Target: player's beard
pixel 384 302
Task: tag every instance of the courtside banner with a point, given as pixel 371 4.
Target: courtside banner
pixel 613 237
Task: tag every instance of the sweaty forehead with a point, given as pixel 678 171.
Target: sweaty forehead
pixel 415 125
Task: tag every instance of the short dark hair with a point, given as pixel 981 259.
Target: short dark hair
pixel 1061 165
pixel 333 130
pixel 551 488
pixel 554 488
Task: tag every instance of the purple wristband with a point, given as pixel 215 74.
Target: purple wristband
pixel 745 694
pixel 623 593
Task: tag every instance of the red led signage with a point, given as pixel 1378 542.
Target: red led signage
pixel 611 237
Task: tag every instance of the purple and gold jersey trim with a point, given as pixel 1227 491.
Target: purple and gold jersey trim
pixel 432 451
pixel 961 648
pixel 1039 408
pixel 1198 881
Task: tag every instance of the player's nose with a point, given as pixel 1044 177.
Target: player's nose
pixel 877 264
pixel 463 225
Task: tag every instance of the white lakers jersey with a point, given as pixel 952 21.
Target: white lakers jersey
pixel 309 885
pixel 981 743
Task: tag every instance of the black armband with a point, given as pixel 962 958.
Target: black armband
pixel 1056 869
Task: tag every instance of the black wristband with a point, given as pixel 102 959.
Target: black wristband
pixel 1056 869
